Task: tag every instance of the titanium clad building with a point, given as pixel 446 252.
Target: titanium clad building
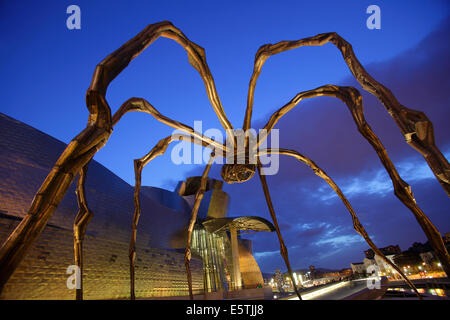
pixel 220 261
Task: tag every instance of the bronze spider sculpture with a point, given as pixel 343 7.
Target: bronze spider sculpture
pixel 414 125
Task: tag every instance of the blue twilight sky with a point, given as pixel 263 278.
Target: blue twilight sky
pixel 46 69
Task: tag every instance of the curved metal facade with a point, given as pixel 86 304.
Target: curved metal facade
pixel 26 156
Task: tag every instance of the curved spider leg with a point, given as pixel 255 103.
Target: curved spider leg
pixel 353 100
pixel 139 165
pixel 80 223
pixel 414 125
pixel 96 134
pixel 198 199
pixel 356 224
pixel 283 249
pixel 142 105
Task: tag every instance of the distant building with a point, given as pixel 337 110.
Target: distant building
pixel 346 272
pixel 368 263
pixel 358 268
pixel 389 250
pixel 428 257
pixel 408 259
pixel 385 268
pixel 411 261
pixel 330 274
pixel 313 274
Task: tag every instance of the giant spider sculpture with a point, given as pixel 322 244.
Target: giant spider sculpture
pixel 414 125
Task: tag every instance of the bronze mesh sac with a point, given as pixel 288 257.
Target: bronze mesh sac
pixel 414 125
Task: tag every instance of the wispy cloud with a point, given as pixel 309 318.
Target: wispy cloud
pixel 341 241
pixel 379 183
pixel 265 254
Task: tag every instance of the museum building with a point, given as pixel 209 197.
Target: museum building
pixel 221 261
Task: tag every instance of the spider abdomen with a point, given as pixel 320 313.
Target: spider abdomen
pixel 237 173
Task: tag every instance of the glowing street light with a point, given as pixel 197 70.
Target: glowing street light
pixel 295 278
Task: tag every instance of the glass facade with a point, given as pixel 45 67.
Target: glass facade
pixel 215 250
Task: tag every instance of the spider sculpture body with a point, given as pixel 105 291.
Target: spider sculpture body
pixel 414 125
pixel 237 173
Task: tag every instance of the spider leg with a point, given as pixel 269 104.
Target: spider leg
pixel 353 100
pixel 142 105
pixel 139 165
pixel 414 125
pixel 198 199
pixel 356 224
pixel 97 132
pixel 81 221
pixel 113 64
pixel 283 249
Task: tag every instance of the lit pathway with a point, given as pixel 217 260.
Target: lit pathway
pixel 336 291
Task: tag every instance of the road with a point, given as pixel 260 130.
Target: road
pixel 335 291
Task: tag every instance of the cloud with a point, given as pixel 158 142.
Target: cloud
pixel 340 241
pixel 379 183
pixel 265 254
pixel 328 234
pixel 316 226
pixel 309 231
